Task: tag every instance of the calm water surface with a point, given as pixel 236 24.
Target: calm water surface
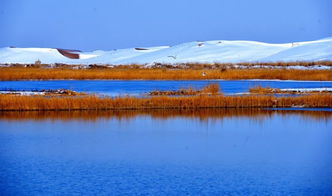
pixel 138 87
pixel 229 152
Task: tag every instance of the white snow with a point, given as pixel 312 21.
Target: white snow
pixel 201 52
pixel 87 56
pixel 30 55
pixel 303 90
pixel 299 67
pixel 22 92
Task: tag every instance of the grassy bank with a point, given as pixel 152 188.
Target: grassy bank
pixel 19 73
pixel 21 103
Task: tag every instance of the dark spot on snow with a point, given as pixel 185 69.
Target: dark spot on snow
pixel 141 49
pixel 72 54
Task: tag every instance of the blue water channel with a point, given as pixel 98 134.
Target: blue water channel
pixel 139 87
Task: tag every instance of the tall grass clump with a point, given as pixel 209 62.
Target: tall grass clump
pixel 263 90
pixel 210 89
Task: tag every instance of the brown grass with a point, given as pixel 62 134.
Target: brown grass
pixel 210 89
pixel 12 102
pixel 18 73
pixel 263 90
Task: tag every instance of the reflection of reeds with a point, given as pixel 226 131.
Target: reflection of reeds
pixel 17 73
pixel 12 102
pixel 202 114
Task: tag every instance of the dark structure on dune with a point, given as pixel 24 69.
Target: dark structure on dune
pixel 72 54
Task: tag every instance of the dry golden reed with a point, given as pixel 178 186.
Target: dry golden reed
pixel 12 102
pixel 19 73
pixel 263 90
pixel 210 89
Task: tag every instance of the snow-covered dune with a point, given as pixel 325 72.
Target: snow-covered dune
pixel 30 55
pixel 204 52
pixel 305 51
pixel 210 51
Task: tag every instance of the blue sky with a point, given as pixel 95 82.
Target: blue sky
pixel 110 24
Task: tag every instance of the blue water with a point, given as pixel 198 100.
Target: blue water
pixel 130 87
pixel 273 154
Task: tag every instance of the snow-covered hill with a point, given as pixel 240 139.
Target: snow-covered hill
pixel 203 52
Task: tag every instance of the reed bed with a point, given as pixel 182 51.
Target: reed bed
pixel 21 103
pixel 19 73
pixel 210 89
pixel 263 90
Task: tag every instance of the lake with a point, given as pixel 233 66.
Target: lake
pixel 139 87
pixel 166 152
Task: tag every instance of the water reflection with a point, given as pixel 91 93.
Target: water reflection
pixel 201 114
pixel 166 152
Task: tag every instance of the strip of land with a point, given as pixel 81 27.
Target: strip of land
pixel 90 102
pixel 291 91
pixel 19 73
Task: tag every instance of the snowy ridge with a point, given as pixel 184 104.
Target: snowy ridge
pixel 220 51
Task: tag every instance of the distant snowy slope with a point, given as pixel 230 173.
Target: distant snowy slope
pixel 204 52
pixel 305 51
pixel 120 56
pixel 211 51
